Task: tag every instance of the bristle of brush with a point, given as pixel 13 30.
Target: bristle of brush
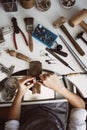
pixel 28 21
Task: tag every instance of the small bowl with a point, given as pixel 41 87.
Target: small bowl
pixel 67 3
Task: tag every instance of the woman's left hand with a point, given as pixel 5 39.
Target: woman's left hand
pixel 24 85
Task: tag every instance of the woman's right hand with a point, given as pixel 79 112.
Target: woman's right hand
pixel 51 81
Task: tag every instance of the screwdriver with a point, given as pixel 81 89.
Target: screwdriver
pixel 60 59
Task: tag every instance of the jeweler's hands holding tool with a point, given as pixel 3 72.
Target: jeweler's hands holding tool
pixel 51 81
pixel 24 85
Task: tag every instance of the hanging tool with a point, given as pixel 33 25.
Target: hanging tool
pixel 83 66
pixel 60 23
pixel 78 18
pixel 60 59
pixel 16 31
pixel 80 35
pixel 29 28
pixel 6 70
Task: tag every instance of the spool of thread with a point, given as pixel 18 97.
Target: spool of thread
pixel 27 4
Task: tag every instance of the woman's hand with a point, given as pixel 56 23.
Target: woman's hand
pixel 24 85
pixel 51 81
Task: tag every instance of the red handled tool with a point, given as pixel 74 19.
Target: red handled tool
pixel 16 31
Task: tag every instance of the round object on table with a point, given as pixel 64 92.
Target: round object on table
pixel 67 3
pixel 43 5
pixel 27 4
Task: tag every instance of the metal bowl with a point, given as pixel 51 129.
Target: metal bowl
pixel 67 3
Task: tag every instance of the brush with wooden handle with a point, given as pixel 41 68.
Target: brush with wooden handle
pixel 29 28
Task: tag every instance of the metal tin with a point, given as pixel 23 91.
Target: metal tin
pixel 10 5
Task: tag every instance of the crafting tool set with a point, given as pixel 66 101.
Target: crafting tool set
pixel 44 36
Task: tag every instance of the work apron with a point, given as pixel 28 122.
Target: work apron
pixel 49 116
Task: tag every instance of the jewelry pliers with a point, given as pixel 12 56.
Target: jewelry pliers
pixel 16 31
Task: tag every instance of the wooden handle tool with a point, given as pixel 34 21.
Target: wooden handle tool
pixel 75 44
pixel 60 23
pixel 29 28
pixel 30 41
pixel 78 19
pixel 18 55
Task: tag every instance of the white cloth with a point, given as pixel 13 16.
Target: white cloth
pixel 12 125
pixel 76 121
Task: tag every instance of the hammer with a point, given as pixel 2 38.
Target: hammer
pixel 80 35
pixel 78 19
pixel 59 23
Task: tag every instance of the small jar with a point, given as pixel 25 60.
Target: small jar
pixel 67 3
pixel 27 4
pixel 43 5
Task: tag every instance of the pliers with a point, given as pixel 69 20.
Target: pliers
pixel 16 31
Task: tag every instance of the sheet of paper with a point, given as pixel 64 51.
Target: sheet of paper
pixel 80 82
pixel 46 93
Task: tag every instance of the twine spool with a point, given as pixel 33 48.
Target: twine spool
pixel 27 4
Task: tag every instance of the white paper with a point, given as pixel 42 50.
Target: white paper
pixel 80 81
pixel 46 93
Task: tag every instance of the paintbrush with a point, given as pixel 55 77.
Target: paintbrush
pixel 29 29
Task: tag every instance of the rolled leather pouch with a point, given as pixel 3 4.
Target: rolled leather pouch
pixel 27 4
